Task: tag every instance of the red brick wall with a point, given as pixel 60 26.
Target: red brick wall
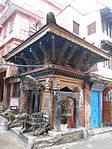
pixel 106 111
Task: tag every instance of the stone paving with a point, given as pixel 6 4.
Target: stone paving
pixel 99 138
pixel 102 141
pixel 8 139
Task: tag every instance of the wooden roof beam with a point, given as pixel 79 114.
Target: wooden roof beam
pixel 59 31
pixel 69 56
pixel 34 55
pixel 76 57
pixel 26 61
pixel 88 59
pixel 42 48
pixel 80 61
pixel 61 54
pixel 73 38
pixel 90 63
pixel 53 48
pixel 89 66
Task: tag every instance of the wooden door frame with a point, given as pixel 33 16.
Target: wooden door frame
pixel 74 96
pixel 99 109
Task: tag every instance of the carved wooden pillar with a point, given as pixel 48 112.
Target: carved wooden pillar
pixel 74 114
pixel 57 120
pixel 27 104
pixel 36 101
pixel 5 96
pixel 21 101
pixel 50 109
pixel 11 93
pixel 77 113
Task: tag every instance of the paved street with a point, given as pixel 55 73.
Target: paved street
pixel 102 141
pixel 9 140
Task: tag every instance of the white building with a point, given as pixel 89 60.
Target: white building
pixel 94 27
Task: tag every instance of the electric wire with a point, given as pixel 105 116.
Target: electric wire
pixel 17 65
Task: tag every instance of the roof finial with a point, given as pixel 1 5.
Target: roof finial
pixel 50 18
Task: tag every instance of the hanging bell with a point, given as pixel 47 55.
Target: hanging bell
pixel 67 112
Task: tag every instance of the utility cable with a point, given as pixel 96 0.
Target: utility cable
pixel 17 65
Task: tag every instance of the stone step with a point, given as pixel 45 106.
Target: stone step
pixel 97 131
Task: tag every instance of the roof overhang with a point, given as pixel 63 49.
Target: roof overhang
pixel 56 70
pixel 101 79
pixel 56 45
pixel 11 9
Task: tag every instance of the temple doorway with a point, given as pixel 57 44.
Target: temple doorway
pixel 68 101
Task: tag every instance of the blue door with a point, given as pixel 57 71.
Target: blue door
pixel 95 109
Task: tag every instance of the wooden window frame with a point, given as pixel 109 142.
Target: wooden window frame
pixel 11 25
pixel 76 28
pixel 91 28
pixel 5 32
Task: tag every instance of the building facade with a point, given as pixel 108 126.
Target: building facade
pixel 65 92
pixel 94 27
pixel 20 23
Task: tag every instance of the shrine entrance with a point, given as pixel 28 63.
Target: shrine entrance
pixel 66 109
pixel 33 104
pixel 31 87
pixel 35 99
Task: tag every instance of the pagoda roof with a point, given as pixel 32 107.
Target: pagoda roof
pixel 53 44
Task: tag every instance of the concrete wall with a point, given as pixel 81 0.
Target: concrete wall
pixel 66 18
